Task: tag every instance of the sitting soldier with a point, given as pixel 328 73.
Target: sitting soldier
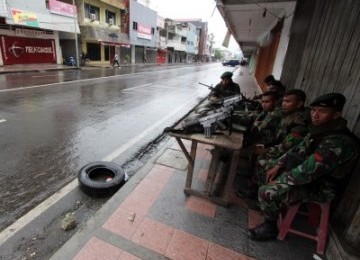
pixel 227 87
pixel 263 126
pixel 293 128
pixel 328 153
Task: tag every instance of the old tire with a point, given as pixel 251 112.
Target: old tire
pixel 101 179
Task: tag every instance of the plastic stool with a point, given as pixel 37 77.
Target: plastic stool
pixel 316 218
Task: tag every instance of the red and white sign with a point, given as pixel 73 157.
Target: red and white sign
pixel 144 32
pixel 57 7
pixel 21 50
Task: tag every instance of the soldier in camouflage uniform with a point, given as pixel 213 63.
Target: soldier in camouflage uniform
pixel 264 125
pixel 227 87
pixel 292 130
pixel 328 154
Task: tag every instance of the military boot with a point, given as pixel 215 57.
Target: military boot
pixel 266 231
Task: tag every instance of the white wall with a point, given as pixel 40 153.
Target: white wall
pixel 284 40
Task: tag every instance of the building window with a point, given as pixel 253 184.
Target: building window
pixel 94 51
pixel 92 12
pixel 135 26
pixel 110 17
pixel 152 30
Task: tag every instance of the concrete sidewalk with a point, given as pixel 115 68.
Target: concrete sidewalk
pixel 150 217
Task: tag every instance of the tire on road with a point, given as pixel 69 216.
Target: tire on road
pixel 101 179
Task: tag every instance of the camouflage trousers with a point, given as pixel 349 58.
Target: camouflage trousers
pixel 272 196
pixel 263 164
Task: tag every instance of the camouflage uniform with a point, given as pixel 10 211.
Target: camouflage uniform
pixel 245 118
pixel 221 91
pixel 293 128
pixel 329 153
pixel 265 127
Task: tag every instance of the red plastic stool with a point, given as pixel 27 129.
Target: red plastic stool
pixel 316 218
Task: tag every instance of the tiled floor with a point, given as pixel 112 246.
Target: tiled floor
pixel 159 218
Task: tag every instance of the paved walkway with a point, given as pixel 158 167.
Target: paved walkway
pixel 32 68
pixel 150 217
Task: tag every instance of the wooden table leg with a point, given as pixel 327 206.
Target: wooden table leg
pixel 187 155
pixel 212 170
pixel 190 170
pixel 231 177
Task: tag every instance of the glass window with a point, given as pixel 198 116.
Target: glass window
pixel 134 25
pixel 92 12
pixel 110 17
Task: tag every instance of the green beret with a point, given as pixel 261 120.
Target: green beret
pixel 335 100
pixel 226 75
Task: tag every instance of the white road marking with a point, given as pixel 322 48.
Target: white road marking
pixel 141 86
pixel 83 80
pixel 133 141
pixel 38 210
pixel 2 120
pixel 65 82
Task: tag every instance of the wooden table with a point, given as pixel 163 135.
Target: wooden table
pixel 231 142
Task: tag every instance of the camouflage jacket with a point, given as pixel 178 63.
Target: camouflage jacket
pixel 293 128
pixel 265 127
pixel 245 118
pixel 328 155
pixel 220 91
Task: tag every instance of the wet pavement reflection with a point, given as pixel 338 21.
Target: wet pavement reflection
pixel 52 131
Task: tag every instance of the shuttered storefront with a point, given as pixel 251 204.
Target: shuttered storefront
pixel 324 56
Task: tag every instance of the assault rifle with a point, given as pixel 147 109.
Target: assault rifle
pixel 208 86
pixel 243 103
pixel 210 121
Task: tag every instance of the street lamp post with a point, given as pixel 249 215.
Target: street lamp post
pixel 76 37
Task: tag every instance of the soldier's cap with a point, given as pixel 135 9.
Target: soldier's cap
pixel 334 100
pixel 226 75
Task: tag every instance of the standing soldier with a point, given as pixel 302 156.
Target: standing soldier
pixel 329 152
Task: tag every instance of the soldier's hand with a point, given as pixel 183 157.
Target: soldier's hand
pixel 272 173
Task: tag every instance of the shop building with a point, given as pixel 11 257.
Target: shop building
pixel 31 31
pixel 143 23
pixel 104 26
pixel 161 41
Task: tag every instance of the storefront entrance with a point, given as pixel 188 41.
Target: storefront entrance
pixel 22 50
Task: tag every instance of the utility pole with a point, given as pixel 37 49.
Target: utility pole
pixel 76 37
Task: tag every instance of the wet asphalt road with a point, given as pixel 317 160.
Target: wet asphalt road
pixel 57 122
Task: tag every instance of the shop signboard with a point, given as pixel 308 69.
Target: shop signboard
pixel 61 8
pixel 24 18
pixel 22 50
pixel 144 31
pixel 3 9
